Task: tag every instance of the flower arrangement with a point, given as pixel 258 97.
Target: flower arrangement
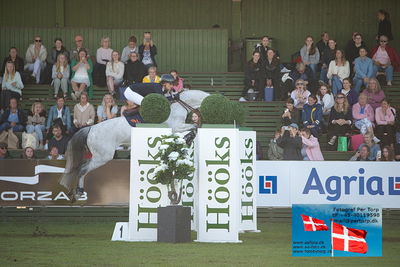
pixel 175 165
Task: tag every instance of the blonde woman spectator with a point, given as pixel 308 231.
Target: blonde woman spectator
pixel 15 58
pixel 84 113
pixel 152 77
pixel 309 54
pixel 35 58
pixel 108 109
pixel 374 93
pixel 338 70
pixel 148 51
pixel 300 94
pixel 81 74
pixel 130 48
pixel 363 115
pixel 36 122
pixel 103 55
pixel 325 98
pixel 114 72
pixel 11 85
pixel 52 57
pixel 60 75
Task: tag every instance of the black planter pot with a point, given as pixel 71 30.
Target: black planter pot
pixel 173 224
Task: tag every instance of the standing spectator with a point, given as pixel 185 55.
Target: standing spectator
pixel 61 112
pixel 54 155
pixel 108 109
pixel 28 153
pixel 13 118
pixel 178 83
pixel 364 70
pixel 11 85
pixel 52 57
pixel 152 77
pixel 374 93
pixel 103 55
pixel 273 72
pixel 14 58
pixel 263 47
pixel 114 72
pixel 148 51
pixel 350 93
pixel 362 154
pixel 84 113
pixel 60 75
pixel 291 143
pixel 58 140
pixel 129 49
pixel 291 114
pixel 338 70
pixel 328 55
pixel 385 118
pixel 73 53
pixel 81 75
pixel 35 58
pixel 363 115
pixel 134 70
pixel 310 55
pixel 325 98
pixel 254 74
pixel 340 119
pixel 387 154
pixel 352 49
pixel 385 58
pixel 36 122
pixel 322 44
pixel 385 26
pixel 375 149
pixel 312 116
pixel 4 154
pixel 311 149
pixel 275 152
pixel 300 94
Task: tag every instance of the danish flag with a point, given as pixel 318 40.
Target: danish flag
pixel 348 239
pixel 312 224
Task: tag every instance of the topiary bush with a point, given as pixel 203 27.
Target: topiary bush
pixel 237 113
pixel 215 109
pixel 155 108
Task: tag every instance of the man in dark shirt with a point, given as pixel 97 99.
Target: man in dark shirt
pixel 58 140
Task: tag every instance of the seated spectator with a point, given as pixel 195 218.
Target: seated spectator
pixel 134 70
pixel 36 122
pixel 61 112
pixel 103 55
pixel 178 83
pixel 60 75
pixel 311 149
pixel 312 116
pixel 108 109
pixel 4 154
pixel 362 154
pixel 11 85
pixel 148 51
pixel 387 154
pixel 322 44
pixel 114 72
pixel 35 58
pixel 54 155
pixel 325 98
pixel 363 69
pixel 263 47
pixel 254 74
pixel 351 94
pixel 291 142
pixel 310 55
pixel 52 57
pixel 363 115
pixel 375 149
pixel 129 49
pixel 13 118
pixel 291 114
pixel 275 152
pixel 273 73
pixel 386 59
pixel 58 140
pixel 84 113
pixel 374 93
pixel 385 119
pixel 328 55
pixel 352 49
pixel 300 94
pixel 339 119
pixel 81 74
pixel 28 153
pixel 152 77
pixel 302 73
pixel 74 53
pixel 338 70
pixel 14 58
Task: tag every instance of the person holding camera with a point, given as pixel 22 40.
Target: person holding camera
pixel 148 51
pixel 291 142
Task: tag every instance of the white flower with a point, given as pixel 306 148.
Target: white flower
pixel 164 147
pixel 180 141
pixel 173 156
pixel 184 162
pixel 169 140
pixel 160 168
pixel 180 135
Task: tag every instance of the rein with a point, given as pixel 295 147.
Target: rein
pixel 185 105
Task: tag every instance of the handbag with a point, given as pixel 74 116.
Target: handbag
pixel 30 140
pixel 13 141
pixel 342 143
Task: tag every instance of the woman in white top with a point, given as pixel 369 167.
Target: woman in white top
pixel 35 58
pixel 114 72
pixel 300 94
pixel 11 85
pixel 107 110
pixel 103 55
pixel 60 75
pixel 337 71
pixel 80 80
pixel 325 98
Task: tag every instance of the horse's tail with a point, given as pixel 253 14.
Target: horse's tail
pixel 75 155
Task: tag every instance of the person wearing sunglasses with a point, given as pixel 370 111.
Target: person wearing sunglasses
pixel 35 58
pixel 385 59
pixel 4 151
